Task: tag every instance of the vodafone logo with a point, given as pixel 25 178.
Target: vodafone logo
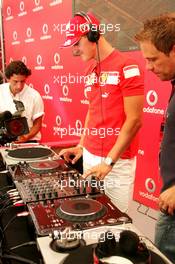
pixel 58 120
pixel 22 9
pixel 39 60
pixel 29 32
pixel 9 11
pixel 29 35
pixel 65 90
pixel 15 38
pixel 47 95
pixel 37 7
pixel 37 2
pixel 45 29
pixel 39 63
pixel 150 185
pixel 46 88
pixel 56 58
pixel 152 98
pixel 21 6
pixel 15 35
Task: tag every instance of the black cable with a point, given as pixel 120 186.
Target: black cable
pixel 9 222
pixel 30 243
pixel 1 240
pixel 2 211
pixel 15 257
pixel 6 187
pixel 101 98
pixel 18 258
pixel 6 226
pixel 6 201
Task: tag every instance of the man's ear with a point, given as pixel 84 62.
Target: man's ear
pixel 173 50
pixel 171 54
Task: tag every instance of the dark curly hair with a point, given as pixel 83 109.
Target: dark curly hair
pixel 17 67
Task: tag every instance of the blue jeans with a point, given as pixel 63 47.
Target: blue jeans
pixel 165 235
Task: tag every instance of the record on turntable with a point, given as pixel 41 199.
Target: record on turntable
pixel 30 153
pixel 81 210
pixel 47 166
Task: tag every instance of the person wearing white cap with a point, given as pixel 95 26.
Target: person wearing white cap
pixel 114 85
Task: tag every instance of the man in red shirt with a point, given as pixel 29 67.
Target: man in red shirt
pixel 114 87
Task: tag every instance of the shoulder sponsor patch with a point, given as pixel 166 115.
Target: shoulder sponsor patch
pixel 131 71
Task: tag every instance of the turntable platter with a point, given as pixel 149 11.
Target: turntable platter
pixel 47 166
pixel 81 210
pixel 30 153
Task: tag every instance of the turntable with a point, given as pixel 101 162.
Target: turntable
pixel 48 166
pixel 78 213
pixel 81 210
pixel 26 153
pixel 31 153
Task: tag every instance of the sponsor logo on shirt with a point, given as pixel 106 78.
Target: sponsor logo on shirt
pixel 131 71
pixel 109 78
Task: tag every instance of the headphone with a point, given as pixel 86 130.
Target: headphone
pixel 94 34
pixel 129 246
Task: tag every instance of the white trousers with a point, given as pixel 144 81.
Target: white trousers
pixel 119 182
